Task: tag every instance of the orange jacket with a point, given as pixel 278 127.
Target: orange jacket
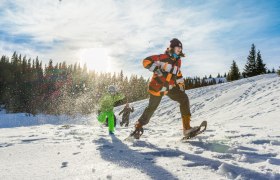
pixel 166 71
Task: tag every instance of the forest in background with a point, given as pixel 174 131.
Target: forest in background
pixel 28 86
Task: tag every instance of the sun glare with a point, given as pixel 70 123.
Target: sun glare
pixel 97 59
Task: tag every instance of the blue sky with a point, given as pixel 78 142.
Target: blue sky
pixel 112 35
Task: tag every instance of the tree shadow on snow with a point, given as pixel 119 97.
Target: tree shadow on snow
pixel 119 153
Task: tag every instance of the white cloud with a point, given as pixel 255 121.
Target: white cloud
pixel 130 30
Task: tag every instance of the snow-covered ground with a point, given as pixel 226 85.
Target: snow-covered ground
pixel 242 140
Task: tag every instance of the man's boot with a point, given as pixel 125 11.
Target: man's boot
pixel 138 130
pixel 187 129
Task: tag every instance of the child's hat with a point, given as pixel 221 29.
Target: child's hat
pixel 112 89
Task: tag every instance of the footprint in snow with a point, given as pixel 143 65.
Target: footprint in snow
pixel 225 156
pixel 244 148
pixel 274 142
pixel 245 126
pixel 194 164
pixel 232 132
pixel 6 145
pixel 261 141
pixel 64 164
pixel 209 130
pixel 274 161
pixel 32 140
pixel 33 135
pixel 242 135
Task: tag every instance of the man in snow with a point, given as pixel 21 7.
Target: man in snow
pixel 106 105
pixel 167 80
pixel 126 112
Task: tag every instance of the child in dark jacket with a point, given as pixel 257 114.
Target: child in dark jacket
pixel 126 112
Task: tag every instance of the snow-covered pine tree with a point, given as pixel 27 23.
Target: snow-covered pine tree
pixel 225 75
pixel 260 66
pixel 268 71
pixel 234 73
pixel 250 67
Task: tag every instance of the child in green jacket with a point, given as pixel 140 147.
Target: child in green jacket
pixel 106 106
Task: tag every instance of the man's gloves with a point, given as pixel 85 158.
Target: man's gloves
pixel 159 67
pixel 156 68
pixel 166 67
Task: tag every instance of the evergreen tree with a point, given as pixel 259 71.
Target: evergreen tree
pixel 273 70
pixel 260 66
pixel 65 89
pixel 121 76
pixel 268 71
pixel 278 72
pixel 5 78
pixel 250 67
pixel 14 104
pixel 234 73
pixel 204 83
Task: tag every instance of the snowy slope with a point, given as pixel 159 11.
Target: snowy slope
pixel 242 140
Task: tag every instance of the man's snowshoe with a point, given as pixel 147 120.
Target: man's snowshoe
pixel 196 131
